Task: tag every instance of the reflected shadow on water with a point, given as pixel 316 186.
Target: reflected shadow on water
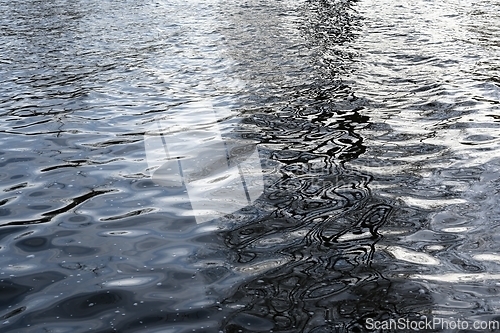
pixel 309 243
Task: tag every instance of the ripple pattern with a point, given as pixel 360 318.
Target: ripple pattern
pixel 376 124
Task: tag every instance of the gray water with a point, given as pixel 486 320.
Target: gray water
pixel 375 126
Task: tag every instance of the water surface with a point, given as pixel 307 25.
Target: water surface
pixel 375 125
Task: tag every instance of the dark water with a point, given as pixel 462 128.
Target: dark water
pixel 375 127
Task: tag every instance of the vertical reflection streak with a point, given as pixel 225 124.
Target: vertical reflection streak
pixel 318 214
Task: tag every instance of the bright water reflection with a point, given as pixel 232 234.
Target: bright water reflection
pixel 429 74
pixel 370 133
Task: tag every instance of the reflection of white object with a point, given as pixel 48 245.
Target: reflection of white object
pixel 186 151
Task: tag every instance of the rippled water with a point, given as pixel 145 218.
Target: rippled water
pixel 300 166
